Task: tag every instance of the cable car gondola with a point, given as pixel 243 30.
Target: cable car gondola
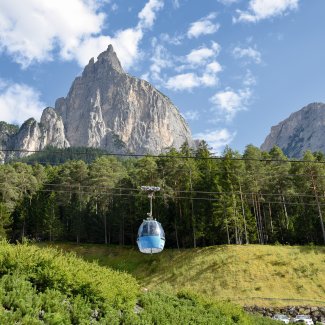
pixel 151 236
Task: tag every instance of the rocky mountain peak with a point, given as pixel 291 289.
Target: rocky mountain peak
pixel 107 64
pixel 301 131
pixel 108 109
pixel 110 59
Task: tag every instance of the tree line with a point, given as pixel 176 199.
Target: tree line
pixel 254 197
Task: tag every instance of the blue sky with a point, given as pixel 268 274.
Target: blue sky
pixel 233 68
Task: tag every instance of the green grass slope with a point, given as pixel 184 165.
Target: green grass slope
pixel 245 274
pixel 47 286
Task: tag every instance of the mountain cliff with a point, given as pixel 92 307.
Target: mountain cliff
pixel 301 131
pixel 105 108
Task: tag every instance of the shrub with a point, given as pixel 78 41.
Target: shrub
pixel 45 286
pixel 40 286
pixel 164 307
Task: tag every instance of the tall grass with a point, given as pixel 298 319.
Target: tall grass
pixel 46 286
pixel 245 274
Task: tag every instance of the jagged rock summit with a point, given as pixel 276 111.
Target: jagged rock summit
pixel 106 108
pixel 301 131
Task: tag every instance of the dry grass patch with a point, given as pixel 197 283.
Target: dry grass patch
pixel 245 274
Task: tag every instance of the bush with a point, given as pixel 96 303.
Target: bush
pixel 40 286
pixel 45 286
pixel 164 307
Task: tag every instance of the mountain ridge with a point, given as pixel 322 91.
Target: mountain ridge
pixel 303 130
pixel 105 108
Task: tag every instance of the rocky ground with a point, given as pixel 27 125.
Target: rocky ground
pixel 316 313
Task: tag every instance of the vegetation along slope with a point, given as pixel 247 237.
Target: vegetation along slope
pixel 254 198
pixel 245 274
pixel 45 286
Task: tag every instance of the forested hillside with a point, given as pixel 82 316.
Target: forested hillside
pixel 204 200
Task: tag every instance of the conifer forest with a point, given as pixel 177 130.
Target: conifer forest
pixel 90 196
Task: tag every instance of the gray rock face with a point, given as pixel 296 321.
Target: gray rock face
pixel 106 108
pixel 7 131
pixel 52 130
pixel 301 131
pixel 33 136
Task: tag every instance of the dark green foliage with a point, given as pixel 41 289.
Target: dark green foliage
pixel 118 143
pixel 8 128
pixel 54 156
pixel 164 307
pixel 5 220
pixel 97 198
pixel 40 286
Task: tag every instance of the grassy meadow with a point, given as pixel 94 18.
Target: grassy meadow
pixel 245 274
pixel 49 286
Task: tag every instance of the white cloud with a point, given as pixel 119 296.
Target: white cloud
pixel 208 79
pixel 201 55
pixel 175 40
pixel 160 60
pixel 199 68
pixel 216 139
pixel 228 102
pixel 145 76
pixel 249 79
pixel 196 69
pixel 249 52
pixel 190 80
pixel 207 69
pixel 18 102
pixel 176 4
pixel 263 9
pixel 204 26
pixel 185 81
pixel 214 67
pixel 191 115
pixel 31 30
pixel 147 15
pixel 125 43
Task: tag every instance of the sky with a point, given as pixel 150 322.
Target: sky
pixel 234 68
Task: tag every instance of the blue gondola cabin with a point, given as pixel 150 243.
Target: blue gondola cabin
pixel 151 237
